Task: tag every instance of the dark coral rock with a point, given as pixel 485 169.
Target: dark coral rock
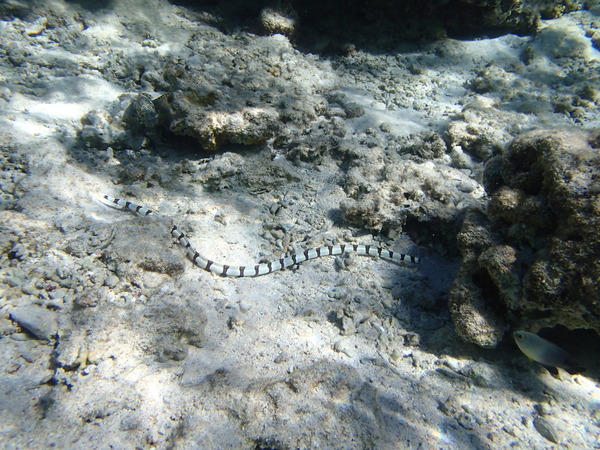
pixel 474 320
pixel 474 299
pixel 282 20
pixel 503 265
pixel 514 206
pixel 141 113
pixel 188 116
pixel 544 257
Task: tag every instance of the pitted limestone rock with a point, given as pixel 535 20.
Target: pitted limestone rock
pixel 538 254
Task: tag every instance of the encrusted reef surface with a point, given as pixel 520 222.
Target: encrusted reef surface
pixel 357 21
pixel 537 256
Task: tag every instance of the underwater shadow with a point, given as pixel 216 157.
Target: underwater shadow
pixel 92 5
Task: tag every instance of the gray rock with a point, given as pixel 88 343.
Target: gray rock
pixel 546 428
pixel 345 347
pixel 41 323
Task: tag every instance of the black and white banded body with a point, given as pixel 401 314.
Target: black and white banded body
pixel 226 270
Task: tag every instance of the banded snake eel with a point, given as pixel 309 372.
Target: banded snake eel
pixel 289 260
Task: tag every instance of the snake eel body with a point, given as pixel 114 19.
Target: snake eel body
pixel 226 270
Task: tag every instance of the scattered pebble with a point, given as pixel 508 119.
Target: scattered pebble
pixel 412 340
pixel 282 357
pixel 111 281
pixel 41 323
pixel 344 346
pixel 245 306
pixel 29 289
pixel 546 428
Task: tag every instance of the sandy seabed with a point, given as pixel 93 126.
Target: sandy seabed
pixel 111 338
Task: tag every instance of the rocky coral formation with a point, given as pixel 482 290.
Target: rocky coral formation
pixel 231 105
pixel 474 300
pixel 258 85
pixel 538 255
pixel 366 21
pixel 416 183
pixel 279 20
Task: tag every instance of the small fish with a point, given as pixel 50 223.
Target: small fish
pixel 545 352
